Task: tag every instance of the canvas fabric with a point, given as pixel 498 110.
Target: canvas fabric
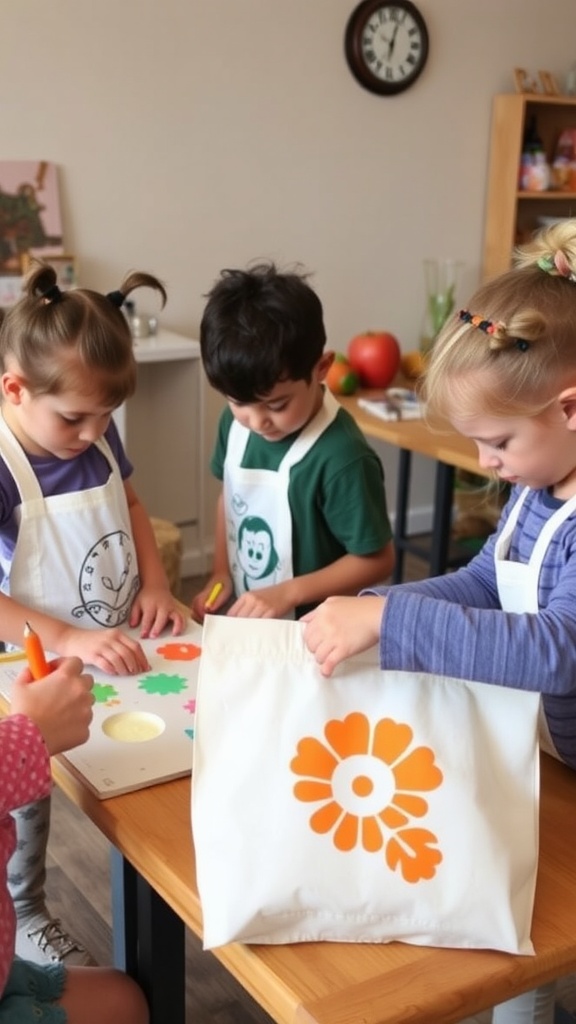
pixel 369 807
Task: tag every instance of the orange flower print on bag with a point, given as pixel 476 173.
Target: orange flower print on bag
pixel 368 783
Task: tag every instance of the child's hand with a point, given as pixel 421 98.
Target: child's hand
pixel 110 650
pixel 153 609
pixel 268 603
pixel 341 627
pixel 60 704
pixel 199 607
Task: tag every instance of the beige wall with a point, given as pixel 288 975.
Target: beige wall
pixel 197 134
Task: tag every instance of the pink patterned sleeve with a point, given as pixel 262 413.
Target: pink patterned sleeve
pixel 24 777
pixel 24 763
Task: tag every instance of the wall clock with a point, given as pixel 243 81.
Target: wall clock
pixel 386 45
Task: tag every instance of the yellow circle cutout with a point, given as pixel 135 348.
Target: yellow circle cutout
pixel 133 726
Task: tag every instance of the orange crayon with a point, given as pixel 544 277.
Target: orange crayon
pixel 35 653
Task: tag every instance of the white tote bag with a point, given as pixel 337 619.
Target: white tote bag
pixel 368 807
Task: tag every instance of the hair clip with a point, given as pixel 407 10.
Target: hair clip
pixel 52 294
pixel 488 326
pixel 116 298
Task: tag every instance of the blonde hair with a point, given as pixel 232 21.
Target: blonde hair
pixel 56 336
pixel 515 347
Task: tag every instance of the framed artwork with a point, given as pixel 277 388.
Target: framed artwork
pixel 64 264
pixel 30 219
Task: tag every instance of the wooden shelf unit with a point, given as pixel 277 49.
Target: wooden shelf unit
pixel 512 215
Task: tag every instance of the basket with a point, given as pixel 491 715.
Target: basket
pixel 169 544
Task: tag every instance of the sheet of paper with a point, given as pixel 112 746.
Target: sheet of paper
pixel 395 404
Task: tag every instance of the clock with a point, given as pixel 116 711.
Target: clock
pixel 386 45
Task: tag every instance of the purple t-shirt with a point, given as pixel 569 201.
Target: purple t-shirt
pixel 57 476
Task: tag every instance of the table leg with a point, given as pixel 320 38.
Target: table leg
pixel 403 490
pixel 123 880
pixel 443 492
pixel 148 942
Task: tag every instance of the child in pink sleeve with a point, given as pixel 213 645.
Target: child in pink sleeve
pixel 48 717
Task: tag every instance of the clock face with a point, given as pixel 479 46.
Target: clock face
pixel 386 45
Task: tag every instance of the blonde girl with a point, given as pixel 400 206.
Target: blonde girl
pixel 503 372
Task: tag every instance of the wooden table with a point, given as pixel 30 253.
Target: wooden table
pixel 319 983
pixel 450 451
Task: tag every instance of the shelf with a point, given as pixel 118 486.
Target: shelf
pixel 165 346
pixel 512 215
pixel 555 196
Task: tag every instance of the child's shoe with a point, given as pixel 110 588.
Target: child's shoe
pixel 43 940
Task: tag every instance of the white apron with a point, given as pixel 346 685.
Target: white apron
pixel 74 557
pixel 256 506
pixel 517 582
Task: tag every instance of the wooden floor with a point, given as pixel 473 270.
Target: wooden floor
pixel 79 893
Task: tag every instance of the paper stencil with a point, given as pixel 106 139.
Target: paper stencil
pixel 143 725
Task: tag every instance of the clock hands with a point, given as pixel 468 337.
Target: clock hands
pixel 392 42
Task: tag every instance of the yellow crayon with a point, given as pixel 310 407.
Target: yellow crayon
pixel 213 595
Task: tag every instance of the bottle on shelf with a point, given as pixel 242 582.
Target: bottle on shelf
pixel 564 163
pixel 534 167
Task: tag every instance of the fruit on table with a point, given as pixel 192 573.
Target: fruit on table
pixel 375 355
pixel 341 378
pixel 413 364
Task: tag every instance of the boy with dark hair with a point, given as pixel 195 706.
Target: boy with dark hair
pixel 302 514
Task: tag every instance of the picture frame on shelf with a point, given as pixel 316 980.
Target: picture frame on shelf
pixel 544 83
pixel 65 265
pixel 524 81
pixel 548 83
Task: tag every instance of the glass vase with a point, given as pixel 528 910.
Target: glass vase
pixel 441 279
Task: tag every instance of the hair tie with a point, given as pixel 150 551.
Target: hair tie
pixel 489 327
pixel 52 294
pixel 557 264
pixel 116 298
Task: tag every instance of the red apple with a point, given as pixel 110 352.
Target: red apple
pixel 375 355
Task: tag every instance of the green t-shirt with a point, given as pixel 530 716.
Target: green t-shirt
pixel 336 493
